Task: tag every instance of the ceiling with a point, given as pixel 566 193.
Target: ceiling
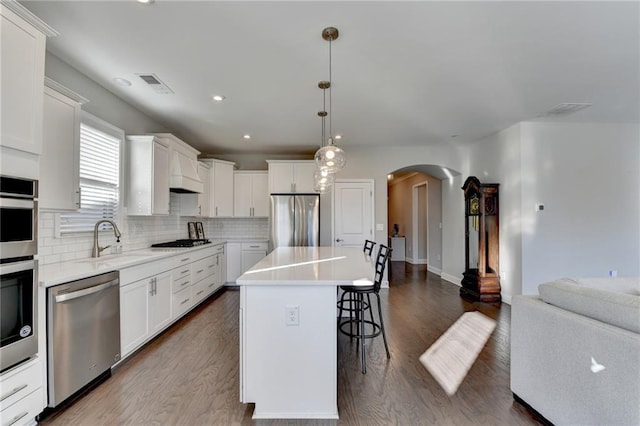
pixel 404 73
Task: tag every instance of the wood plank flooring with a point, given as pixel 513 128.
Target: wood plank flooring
pixel 189 375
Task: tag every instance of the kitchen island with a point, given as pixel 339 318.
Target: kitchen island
pixel 288 334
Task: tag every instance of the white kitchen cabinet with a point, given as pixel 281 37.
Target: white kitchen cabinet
pixel 145 306
pixel 148 166
pixel 251 254
pixel 60 160
pixel 234 261
pixel 198 205
pixel 250 194
pixel 291 176
pixel 24 39
pixel 159 290
pixel 22 397
pixel 134 314
pixel 221 187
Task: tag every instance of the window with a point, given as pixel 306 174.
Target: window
pixel 100 148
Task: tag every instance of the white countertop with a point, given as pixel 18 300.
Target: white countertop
pixel 60 273
pixel 318 265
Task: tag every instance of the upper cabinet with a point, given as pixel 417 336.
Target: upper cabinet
pixel 60 160
pixel 251 194
pixel 148 160
pixel 24 40
pixel 221 191
pixel 291 176
pixel 183 165
pixel 22 54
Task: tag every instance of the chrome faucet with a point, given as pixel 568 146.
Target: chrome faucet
pixel 96 247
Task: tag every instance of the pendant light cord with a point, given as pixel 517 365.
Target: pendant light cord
pixel 330 90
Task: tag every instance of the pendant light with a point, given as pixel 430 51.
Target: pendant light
pixel 322 178
pixel 330 157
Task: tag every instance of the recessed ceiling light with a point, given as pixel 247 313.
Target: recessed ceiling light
pixel 218 98
pixel 338 137
pixel 247 136
pixel 122 82
pixel 145 1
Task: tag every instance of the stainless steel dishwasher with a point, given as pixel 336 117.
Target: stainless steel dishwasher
pixel 83 333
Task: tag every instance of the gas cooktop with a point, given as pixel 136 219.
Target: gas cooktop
pixel 181 243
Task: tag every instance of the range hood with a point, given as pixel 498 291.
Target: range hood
pixel 184 175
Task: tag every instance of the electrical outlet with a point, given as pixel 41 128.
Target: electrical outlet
pixel 613 273
pixel 292 315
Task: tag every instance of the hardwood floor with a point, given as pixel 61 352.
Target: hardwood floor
pixel 189 375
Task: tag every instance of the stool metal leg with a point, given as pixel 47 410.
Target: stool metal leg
pixel 384 335
pixel 362 339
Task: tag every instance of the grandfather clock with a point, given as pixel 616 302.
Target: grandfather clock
pixel 481 278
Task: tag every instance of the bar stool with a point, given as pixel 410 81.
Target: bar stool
pixel 359 293
pixel 348 302
pixel 368 246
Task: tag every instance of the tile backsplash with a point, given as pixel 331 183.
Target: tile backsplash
pixel 140 232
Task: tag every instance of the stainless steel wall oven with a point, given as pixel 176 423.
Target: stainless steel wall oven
pixel 18 271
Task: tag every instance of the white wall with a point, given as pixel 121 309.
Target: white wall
pixel 102 103
pixel 587 176
pixel 496 159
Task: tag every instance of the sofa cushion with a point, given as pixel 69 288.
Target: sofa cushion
pixel 615 301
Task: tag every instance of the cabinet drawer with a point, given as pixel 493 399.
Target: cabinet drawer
pixel 24 411
pixel 254 246
pixel 219 249
pixel 16 385
pixel 200 290
pixel 180 284
pixel 200 269
pixel 181 272
pixel 182 302
pixel 182 260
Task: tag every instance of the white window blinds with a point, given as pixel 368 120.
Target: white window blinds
pixel 100 145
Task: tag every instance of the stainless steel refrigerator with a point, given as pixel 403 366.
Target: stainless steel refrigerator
pixel 295 220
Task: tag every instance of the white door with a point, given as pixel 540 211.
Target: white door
pixel 352 213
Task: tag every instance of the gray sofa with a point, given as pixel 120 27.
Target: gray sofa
pixel 575 351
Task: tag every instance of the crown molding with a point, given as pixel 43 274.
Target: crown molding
pixel 26 14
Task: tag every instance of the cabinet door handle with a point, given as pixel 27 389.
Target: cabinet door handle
pixel 199 210
pixel 79 192
pixel 184 301
pixel 294 187
pixel 13 392
pixel 200 271
pixel 216 210
pixel 186 259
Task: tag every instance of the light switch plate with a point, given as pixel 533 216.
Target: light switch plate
pixel 379 226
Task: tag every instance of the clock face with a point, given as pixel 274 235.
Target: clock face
pixel 474 206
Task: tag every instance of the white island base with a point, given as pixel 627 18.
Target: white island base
pixel 290 370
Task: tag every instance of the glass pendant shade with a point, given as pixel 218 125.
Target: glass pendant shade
pixel 330 158
pixel 321 188
pixel 323 178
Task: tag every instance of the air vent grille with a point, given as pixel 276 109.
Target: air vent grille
pixel 155 83
pixel 566 108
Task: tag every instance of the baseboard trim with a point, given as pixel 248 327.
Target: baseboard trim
pixel 455 280
pixel 417 261
pixel 434 270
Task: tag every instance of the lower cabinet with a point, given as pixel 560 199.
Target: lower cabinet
pixel 145 309
pixel 154 295
pixel 22 397
pixel 242 256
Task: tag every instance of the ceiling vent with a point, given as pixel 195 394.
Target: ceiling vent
pixel 566 109
pixel 154 82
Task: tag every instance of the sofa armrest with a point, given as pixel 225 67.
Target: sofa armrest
pixel 551 352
